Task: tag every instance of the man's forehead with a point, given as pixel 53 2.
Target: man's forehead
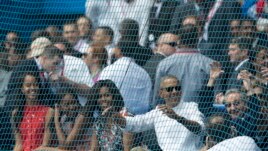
pixel 169 81
pixel 233 97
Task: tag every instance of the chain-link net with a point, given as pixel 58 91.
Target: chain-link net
pixel 139 75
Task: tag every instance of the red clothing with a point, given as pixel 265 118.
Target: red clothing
pixel 32 126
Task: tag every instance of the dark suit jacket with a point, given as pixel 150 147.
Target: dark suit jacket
pixel 245 125
pixel 151 65
pixel 232 81
pixel 160 24
pixel 219 31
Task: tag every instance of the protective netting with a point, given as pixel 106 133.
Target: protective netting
pixel 134 75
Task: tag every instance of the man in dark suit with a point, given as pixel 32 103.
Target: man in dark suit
pixel 216 32
pixel 239 58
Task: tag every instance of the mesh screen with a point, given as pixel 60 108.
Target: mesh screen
pixel 134 75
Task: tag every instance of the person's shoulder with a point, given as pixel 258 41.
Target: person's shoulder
pixel 240 143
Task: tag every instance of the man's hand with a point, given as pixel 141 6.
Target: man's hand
pixel 264 72
pixel 54 77
pixel 119 120
pixel 246 77
pixel 168 111
pixel 215 72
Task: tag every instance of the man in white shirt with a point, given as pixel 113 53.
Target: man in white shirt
pixel 132 80
pixel 71 34
pixel 112 12
pixel 177 124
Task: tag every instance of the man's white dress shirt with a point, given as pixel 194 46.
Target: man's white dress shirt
pixel 241 143
pixel 133 82
pixel 76 70
pixel 171 135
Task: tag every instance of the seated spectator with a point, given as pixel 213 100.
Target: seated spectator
pixel 187 64
pixel 133 81
pixel 53 32
pixel 177 124
pixel 107 135
pixel 239 58
pixel 67 71
pixel 69 123
pixel 12 36
pixel 166 46
pixel 85 28
pixel 71 34
pixel 96 59
pixel 37 45
pixel 11 58
pixel 244 112
pixel 40 33
pixel 103 36
pixel 235 27
pixel 249 29
pixel 222 136
pixel 129 31
pixel 30 119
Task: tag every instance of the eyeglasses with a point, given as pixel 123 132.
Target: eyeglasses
pixel 170 89
pixel 172 44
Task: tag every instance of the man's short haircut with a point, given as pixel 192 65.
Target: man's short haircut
pixel 243 43
pixel 72 23
pixel 189 36
pixel 52 51
pixel 218 127
pixel 108 31
pixel 243 96
pixel 129 29
pixel 168 77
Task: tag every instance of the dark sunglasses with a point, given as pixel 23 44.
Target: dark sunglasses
pixel 170 89
pixel 172 44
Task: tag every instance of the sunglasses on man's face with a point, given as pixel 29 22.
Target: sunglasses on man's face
pixel 170 89
pixel 172 44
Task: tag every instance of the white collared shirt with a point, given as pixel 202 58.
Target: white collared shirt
pixel 241 143
pixel 81 46
pixel 171 135
pixel 76 70
pixel 133 82
pixel 240 64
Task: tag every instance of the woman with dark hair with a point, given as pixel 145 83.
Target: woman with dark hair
pixel 107 135
pixel 30 119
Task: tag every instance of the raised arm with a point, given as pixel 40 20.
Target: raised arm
pixel 207 94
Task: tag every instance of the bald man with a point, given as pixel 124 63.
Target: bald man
pixel 166 46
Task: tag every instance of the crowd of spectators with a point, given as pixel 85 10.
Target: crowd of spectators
pixel 140 75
